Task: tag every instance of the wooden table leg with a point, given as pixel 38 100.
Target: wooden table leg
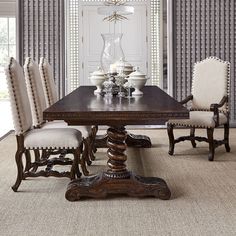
pixel 133 140
pixel 117 179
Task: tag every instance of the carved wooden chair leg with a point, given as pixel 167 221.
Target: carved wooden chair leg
pixel 171 138
pixel 37 155
pixel 86 151
pixel 92 148
pixel 81 147
pixel 94 130
pixel 75 166
pixel 192 135
pixel 85 158
pixel 45 154
pixel 37 159
pixel 78 153
pixel 28 160
pixel 210 132
pixel 91 155
pixel 18 158
pixel 226 137
pixel 63 153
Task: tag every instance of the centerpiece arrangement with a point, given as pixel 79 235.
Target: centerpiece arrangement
pixel 119 80
pixel 116 76
pixel 114 80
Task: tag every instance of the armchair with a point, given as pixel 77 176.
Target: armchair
pixel 209 105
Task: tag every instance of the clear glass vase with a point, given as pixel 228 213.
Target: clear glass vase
pixel 112 52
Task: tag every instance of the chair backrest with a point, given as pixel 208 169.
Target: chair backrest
pixel 35 91
pixel 20 106
pixel 49 86
pixel 210 84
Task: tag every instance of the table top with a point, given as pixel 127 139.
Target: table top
pixel 82 107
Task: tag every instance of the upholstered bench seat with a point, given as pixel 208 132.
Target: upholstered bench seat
pixel 53 138
pixel 200 119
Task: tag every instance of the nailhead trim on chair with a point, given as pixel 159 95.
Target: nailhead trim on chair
pixel 45 83
pixel 14 95
pixel 220 111
pixel 227 82
pixel 228 86
pixel 50 148
pixel 190 126
pixel 28 61
pixel 196 126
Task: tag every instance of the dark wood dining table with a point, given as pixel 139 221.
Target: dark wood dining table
pixel 82 107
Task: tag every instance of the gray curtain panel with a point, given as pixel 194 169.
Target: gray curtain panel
pixel 41 34
pixel 203 28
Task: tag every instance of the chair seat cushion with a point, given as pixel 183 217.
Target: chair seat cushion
pixel 57 138
pixel 201 119
pixel 85 130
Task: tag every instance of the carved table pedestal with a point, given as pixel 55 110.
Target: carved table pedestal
pixel 117 179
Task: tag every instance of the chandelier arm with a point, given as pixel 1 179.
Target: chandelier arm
pixel 115 10
pixel 116 2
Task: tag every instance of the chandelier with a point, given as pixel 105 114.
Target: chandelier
pixel 115 10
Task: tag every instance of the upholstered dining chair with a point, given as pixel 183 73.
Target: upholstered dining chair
pixel 209 105
pixel 37 139
pixel 50 94
pixel 49 86
pixel 38 104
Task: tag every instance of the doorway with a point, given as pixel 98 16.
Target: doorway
pixel 144 34
pixel 134 41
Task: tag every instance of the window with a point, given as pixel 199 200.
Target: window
pixel 7 39
pixel 7 49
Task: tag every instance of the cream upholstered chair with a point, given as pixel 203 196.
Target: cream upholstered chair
pixel 49 86
pixel 50 93
pixel 40 139
pixel 209 107
pixel 38 105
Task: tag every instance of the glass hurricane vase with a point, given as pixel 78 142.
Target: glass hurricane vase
pixel 112 52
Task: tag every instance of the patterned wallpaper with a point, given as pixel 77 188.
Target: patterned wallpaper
pixel 203 28
pixel 41 33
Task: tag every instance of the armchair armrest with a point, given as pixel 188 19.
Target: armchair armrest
pixel 223 101
pixel 187 99
pixel 215 108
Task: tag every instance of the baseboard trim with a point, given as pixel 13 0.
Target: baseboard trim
pixel 5 135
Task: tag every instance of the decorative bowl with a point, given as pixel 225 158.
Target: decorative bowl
pixel 138 80
pixel 97 78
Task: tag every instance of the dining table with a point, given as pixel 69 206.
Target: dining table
pixel 83 107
